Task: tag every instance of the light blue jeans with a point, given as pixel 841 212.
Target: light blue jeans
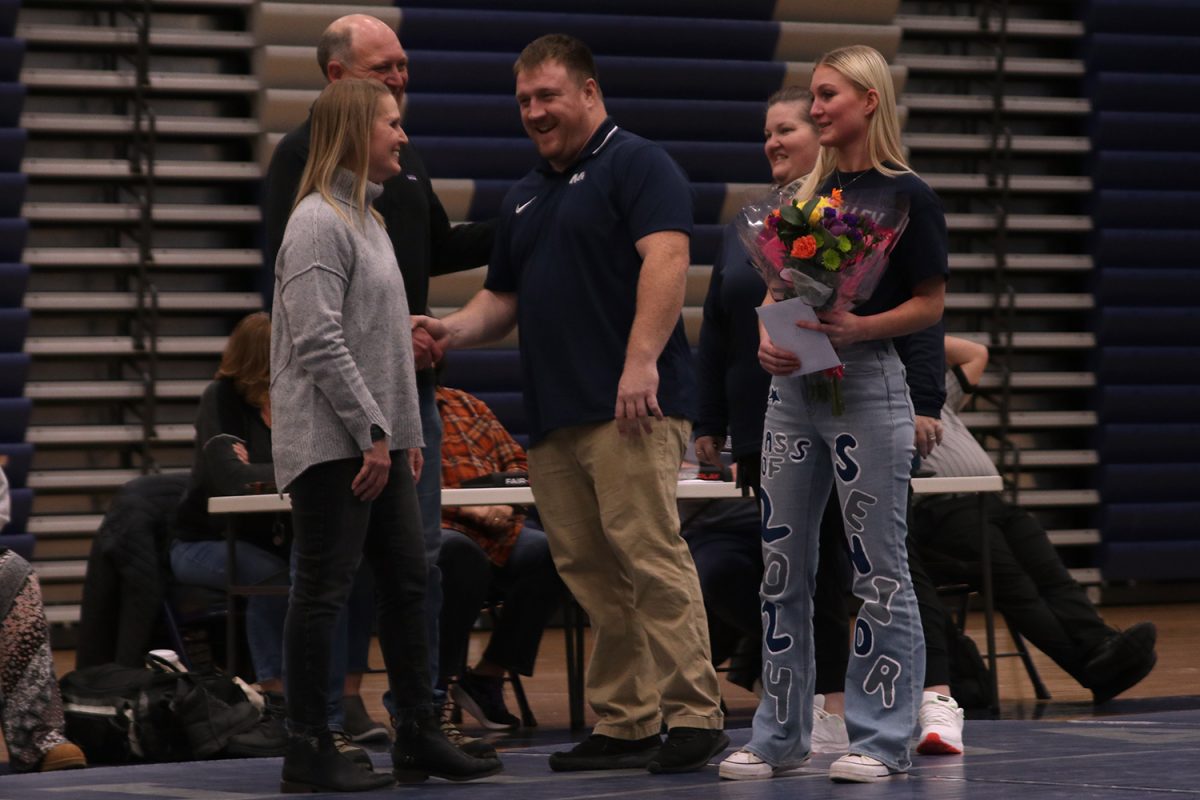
pixel 868 450
pixel 204 563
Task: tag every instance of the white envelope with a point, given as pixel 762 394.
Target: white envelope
pixel 813 348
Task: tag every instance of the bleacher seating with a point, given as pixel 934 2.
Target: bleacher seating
pixel 1148 331
pixel 692 74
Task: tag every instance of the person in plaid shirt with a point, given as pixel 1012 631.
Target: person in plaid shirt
pixel 488 552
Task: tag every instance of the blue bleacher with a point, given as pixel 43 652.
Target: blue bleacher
pixel 12 148
pixel 1148 169
pixel 1155 365
pixel 1170 443
pixel 12 196
pixel 1146 173
pixel 13 280
pixel 746 9
pixel 12 99
pixel 8 16
pixel 510 158
pixel 12 55
pixel 14 369
pixel 14 324
pixel 14 418
pixel 1148 286
pixel 468 72
pixel 657 119
pixel 13 232
pixel 505 31
pixel 1143 16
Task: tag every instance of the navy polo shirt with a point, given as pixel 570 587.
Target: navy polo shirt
pixel 566 246
pixel 920 254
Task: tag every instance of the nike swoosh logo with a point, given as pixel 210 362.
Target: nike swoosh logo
pixel 525 205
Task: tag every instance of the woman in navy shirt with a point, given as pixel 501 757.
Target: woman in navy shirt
pixel 869 449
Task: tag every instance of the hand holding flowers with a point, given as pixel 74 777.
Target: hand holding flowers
pixel 829 255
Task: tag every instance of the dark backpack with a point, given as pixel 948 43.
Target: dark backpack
pixel 121 715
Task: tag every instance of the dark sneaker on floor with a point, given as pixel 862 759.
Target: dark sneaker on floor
pixel 471 745
pixel 483 698
pixel 604 752
pixel 688 750
pixel 358 725
pixel 1125 658
pixel 1123 680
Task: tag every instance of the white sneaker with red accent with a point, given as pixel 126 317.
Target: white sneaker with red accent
pixel 941 726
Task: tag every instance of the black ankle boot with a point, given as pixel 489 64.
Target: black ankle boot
pixel 315 765
pixel 421 750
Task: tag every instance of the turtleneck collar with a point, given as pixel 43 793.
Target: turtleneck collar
pixel 342 187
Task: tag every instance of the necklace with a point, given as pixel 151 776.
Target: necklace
pixel 837 175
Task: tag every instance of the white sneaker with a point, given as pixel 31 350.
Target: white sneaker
pixel 828 730
pixel 856 768
pixel 941 726
pixel 745 766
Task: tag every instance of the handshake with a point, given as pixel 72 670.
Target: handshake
pixel 430 339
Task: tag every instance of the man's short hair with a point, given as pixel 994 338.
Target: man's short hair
pixel 335 45
pixel 566 50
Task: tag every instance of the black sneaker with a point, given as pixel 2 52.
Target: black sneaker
pixel 1120 652
pixel 688 750
pixel 604 752
pixel 1128 667
pixel 483 698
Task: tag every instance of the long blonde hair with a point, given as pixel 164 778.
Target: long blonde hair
pixel 866 68
pixel 342 119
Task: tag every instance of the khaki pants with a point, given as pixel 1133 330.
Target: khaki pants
pixel 608 504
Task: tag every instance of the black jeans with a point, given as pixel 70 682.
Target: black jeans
pixel 527 585
pixel 333 531
pixel 1032 588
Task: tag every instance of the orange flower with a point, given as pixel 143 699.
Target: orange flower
pixel 804 247
pixel 835 199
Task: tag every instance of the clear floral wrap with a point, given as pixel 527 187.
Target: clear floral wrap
pixel 828 251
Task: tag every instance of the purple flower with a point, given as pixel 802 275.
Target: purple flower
pixel 830 212
pixel 855 235
pixel 850 219
pixel 838 228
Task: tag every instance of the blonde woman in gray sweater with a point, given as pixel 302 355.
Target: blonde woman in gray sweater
pixel 346 444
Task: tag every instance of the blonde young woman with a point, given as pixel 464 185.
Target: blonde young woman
pixel 346 443
pixel 867 451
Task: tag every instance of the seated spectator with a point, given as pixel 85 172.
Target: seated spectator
pixel 233 456
pixel 1032 589
pixel 31 711
pixel 488 553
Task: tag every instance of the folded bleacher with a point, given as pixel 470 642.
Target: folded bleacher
pixel 1144 71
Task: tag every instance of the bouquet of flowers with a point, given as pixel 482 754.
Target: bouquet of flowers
pixel 826 251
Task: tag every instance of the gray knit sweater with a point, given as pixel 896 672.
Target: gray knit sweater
pixel 341 344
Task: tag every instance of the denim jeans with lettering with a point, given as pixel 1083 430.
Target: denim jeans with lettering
pixel 866 452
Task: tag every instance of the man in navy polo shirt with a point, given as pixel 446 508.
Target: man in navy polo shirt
pixel 591 257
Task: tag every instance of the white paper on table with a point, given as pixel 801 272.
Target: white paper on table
pixel 813 348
